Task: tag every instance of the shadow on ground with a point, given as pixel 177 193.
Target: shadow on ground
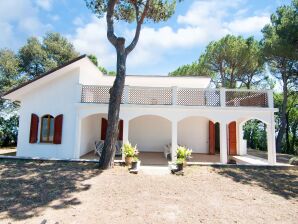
pixel 277 180
pixel 26 187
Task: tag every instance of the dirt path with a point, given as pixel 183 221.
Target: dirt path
pixel 79 193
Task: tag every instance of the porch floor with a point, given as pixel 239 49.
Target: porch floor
pixel 157 158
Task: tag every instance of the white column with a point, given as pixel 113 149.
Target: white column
pixel 174 95
pixel 125 133
pixel 78 134
pixel 223 143
pixel 270 98
pixel 126 94
pixel 174 140
pixel 240 141
pixel 222 97
pixel 271 148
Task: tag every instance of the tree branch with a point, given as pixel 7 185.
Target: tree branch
pixel 135 40
pixel 110 22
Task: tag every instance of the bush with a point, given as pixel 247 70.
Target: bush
pixel 129 150
pixel 183 153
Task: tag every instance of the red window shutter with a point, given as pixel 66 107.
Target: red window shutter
pixel 211 138
pixel 33 128
pixel 232 139
pixel 120 135
pixel 58 129
pixel 104 126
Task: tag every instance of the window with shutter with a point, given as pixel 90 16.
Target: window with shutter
pixel 33 128
pixel 211 138
pixel 47 129
pixel 58 129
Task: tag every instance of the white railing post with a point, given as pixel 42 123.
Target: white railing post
pixel 270 98
pixel 174 95
pixel 126 94
pixel 79 93
pixel 222 97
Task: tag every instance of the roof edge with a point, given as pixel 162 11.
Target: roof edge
pixel 43 75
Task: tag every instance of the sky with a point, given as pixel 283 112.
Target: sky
pixel 162 47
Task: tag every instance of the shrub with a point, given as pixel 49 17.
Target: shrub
pixel 183 153
pixel 180 161
pixel 129 150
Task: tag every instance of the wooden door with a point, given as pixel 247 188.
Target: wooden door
pixel 211 138
pixel 104 126
pixel 232 139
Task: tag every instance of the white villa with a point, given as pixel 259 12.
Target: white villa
pixel 64 112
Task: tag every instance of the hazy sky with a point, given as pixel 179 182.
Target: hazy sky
pixel 162 47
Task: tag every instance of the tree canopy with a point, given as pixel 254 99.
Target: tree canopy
pixel 38 57
pixel 281 52
pixel 231 62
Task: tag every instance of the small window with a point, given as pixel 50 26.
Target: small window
pixel 47 129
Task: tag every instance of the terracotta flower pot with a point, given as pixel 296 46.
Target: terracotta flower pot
pixel 128 161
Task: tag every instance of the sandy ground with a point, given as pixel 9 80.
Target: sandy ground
pixel 44 192
pixel 8 151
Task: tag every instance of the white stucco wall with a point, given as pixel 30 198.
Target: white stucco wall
pixel 193 132
pixel 50 98
pixel 150 133
pixel 90 132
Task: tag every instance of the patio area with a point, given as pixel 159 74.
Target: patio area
pixel 158 158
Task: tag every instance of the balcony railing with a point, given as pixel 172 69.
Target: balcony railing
pixel 181 96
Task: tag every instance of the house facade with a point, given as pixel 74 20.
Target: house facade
pixel 64 112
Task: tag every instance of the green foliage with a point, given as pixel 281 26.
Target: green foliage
pixel 255 134
pixel 93 58
pixel 197 68
pixel 281 42
pixel 180 161
pixel 290 140
pixel 33 58
pixel 159 10
pixel 129 150
pixel 183 153
pixel 103 70
pixel 38 57
pixel 9 77
pixel 58 49
pixel 9 70
pixel 229 61
pixel 9 130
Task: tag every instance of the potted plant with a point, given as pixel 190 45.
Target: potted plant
pixel 180 163
pixel 129 152
pixel 183 153
pixel 135 164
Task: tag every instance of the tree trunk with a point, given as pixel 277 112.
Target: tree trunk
pixel 294 130
pixel 283 120
pixel 288 148
pixel 107 159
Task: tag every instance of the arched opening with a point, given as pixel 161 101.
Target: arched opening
pixel 151 134
pixel 201 135
pixel 93 133
pixel 255 138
